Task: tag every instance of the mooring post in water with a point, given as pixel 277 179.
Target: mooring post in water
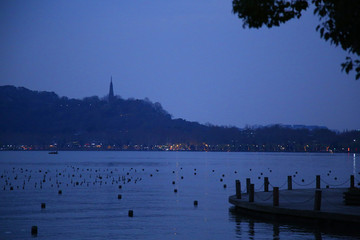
pixel 276 196
pixel 317 201
pixel 289 182
pixel 238 189
pixel 34 230
pixel 251 193
pixel 131 213
pixel 352 181
pixel 266 184
pixel 247 185
pixel 317 181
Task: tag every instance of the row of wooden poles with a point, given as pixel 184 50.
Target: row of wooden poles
pixel 250 189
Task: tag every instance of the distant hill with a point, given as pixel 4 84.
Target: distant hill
pixel 32 117
pixel 43 119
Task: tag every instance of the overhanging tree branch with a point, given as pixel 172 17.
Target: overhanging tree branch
pixel 339 21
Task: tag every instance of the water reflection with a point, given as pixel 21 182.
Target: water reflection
pixel 276 231
pixel 251 230
pixel 354 165
pixel 253 226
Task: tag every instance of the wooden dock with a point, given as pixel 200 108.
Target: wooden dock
pixel 301 204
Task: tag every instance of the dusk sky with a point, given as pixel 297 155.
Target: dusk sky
pixel 192 56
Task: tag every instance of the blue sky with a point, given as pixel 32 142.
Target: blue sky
pixel 192 56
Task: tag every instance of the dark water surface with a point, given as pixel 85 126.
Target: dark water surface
pixel 89 208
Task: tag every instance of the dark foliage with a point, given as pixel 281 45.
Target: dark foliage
pixel 42 118
pixel 339 21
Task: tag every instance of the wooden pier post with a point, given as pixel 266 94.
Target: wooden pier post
pixel 248 185
pixel 266 184
pixel 352 181
pixel 317 181
pixel 317 201
pixel 251 193
pixel 289 182
pixel 238 189
pixel 276 196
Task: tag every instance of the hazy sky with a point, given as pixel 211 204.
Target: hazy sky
pixel 192 56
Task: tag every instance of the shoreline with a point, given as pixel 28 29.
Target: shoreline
pixel 122 150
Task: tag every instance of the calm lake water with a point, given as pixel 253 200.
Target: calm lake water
pixel 89 208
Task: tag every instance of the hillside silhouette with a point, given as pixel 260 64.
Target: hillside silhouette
pixel 43 119
pixel 32 117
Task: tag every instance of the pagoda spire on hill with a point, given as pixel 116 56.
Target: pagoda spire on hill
pixel 111 91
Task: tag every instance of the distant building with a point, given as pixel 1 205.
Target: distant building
pixel 111 91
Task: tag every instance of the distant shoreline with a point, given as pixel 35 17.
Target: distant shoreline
pixel 120 150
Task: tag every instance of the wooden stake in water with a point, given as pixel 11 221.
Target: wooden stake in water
pixel 238 189
pixel 317 181
pixel 276 196
pixel 34 230
pixel 251 193
pixel 289 182
pixel 266 184
pixel 247 185
pixel 131 213
pixel 352 181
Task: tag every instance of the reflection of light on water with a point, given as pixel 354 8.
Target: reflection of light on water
pixel 354 164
